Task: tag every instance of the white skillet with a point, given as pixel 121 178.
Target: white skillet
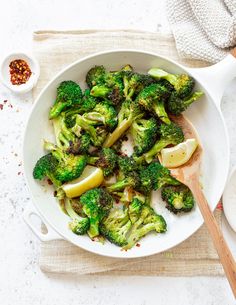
pixel 205 115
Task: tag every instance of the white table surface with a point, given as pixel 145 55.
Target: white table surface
pixel 21 281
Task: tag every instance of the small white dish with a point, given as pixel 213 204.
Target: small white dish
pixel 5 72
pixel 229 200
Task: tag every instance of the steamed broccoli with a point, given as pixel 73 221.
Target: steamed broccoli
pixel 170 134
pixel 126 165
pixel 129 112
pixel 135 82
pixel 46 167
pixel 102 114
pixel 107 160
pixel 109 87
pixel 156 176
pixel 95 76
pixel 67 140
pixel 115 226
pixel 178 198
pixel 97 134
pixel 87 104
pixel 182 83
pixel 69 94
pixel 176 105
pixel 147 221
pixel 78 225
pixel 144 133
pixel 130 180
pixel 153 99
pixel 96 205
pixel 69 166
pixel 135 209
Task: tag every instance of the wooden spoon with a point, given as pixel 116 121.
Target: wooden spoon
pixel 189 175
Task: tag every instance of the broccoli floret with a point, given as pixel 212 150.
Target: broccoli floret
pixel 131 180
pixel 135 209
pixel 135 82
pixel 78 225
pixel 69 166
pixel 156 176
pixel 178 198
pixel 97 134
pixel 46 167
pixel 176 105
pixel 129 112
pixel 116 226
pixel 170 134
pixel 153 98
pixel 126 164
pixel 67 140
pixel 111 87
pixel 69 94
pixel 95 76
pixel 103 113
pixel 147 221
pixel 88 103
pixel 144 133
pixel 96 205
pixel 107 160
pixel 182 83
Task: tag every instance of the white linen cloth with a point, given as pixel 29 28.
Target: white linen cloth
pixel 203 29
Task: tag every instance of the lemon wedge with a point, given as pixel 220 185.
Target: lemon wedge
pixel 179 154
pixel 90 178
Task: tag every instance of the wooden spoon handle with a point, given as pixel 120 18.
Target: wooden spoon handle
pixel 222 248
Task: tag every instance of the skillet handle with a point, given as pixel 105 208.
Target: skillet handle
pixel 49 235
pixel 217 77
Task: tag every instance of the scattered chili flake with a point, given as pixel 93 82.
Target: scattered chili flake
pixel 20 72
pixel 5 101
pixel 18 173
pixel 49 182
pixel 1 106
pixel 138 245
pixel 219 206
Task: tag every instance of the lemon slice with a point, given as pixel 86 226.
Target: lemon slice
pixel 179 154
pixel 90 178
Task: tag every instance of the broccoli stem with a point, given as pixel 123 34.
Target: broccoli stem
pixel 95 117
pixel 84 125
pixel 156 149
pixel 56 109
pixel 195 96
pixel 100 91
pixel 119 185
pixel 159 109
pixel 92 160
pixel 159 73
pixel 93 230
pixel 70 211
pixel 117 133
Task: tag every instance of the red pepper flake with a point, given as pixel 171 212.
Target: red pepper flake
pixel 1 106
pixel 49 182
pixel 18 173
pixel 219 206
pixel 5 101
pixel 19 72
pixel 138 245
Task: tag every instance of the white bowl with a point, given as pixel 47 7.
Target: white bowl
pixel 229 200
pixel 5 72
pixel 204 115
